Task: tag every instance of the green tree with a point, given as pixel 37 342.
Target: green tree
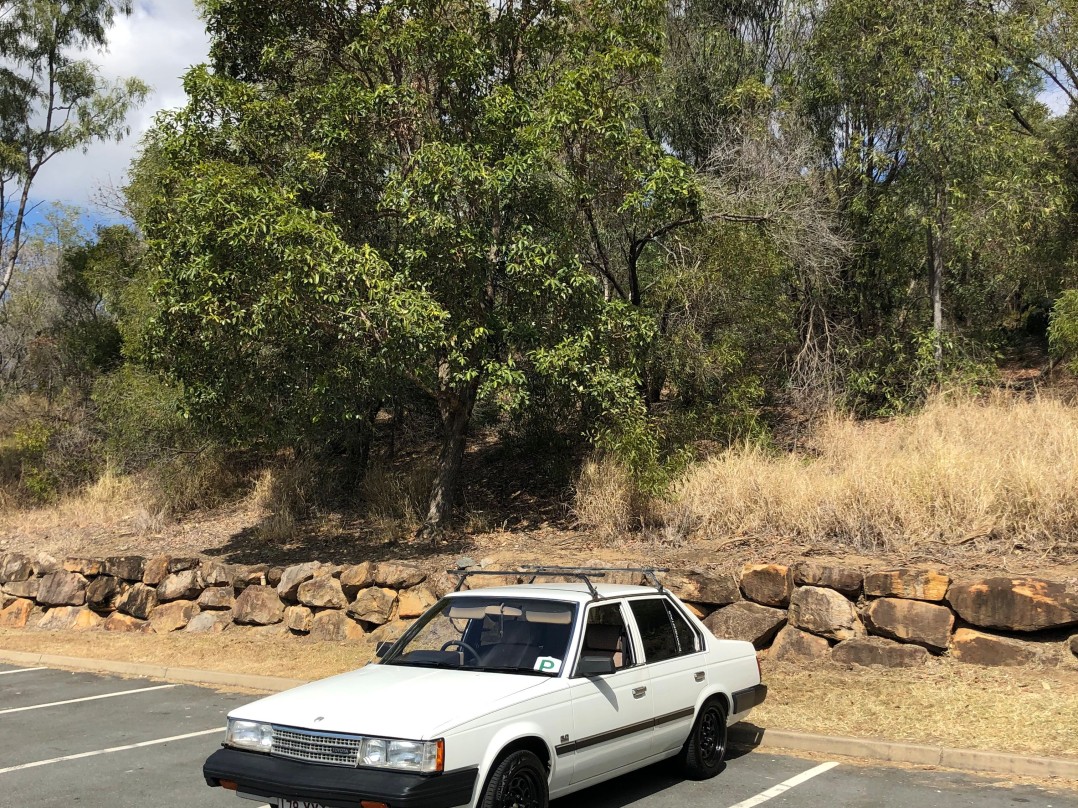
pixel 359 201
pixel 50 100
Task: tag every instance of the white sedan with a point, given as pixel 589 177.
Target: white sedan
pixel 500 698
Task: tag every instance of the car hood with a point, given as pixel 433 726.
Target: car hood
pixel 394 701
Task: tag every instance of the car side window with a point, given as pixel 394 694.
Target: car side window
pixel 606 633
pixel 664 633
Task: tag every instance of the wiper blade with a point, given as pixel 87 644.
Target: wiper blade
pixel 507 669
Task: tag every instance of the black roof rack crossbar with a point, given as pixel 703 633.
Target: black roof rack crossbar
pixel 585 574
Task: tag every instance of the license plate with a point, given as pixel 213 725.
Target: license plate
pixel 285 802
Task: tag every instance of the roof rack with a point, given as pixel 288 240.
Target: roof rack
pixel 585 574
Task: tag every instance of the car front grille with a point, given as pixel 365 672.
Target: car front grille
pixel 315 747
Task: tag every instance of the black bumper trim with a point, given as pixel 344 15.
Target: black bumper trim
pixel 749 698
pixel 337 786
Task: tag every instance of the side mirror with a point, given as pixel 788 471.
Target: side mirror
pixel 382 649
pixel 595 666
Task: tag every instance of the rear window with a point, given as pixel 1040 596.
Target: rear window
pixel 664 633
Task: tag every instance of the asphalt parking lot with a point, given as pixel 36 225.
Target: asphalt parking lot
pixel 79 739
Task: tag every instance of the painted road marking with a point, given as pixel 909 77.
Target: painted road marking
pixel 782 787
pixel 87 698
pixel 36 763
pixel 21 670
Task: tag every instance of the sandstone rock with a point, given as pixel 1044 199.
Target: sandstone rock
pixel 84 566
pixel 357 577
pixel 395 575
pixel 59 618
pixel 183 585
pixel 214 573
pixel 842 579
pixel 104 593
pixel 17 614
pixel 824 612
pixel 413 602
pixel 391 631
pixel 155 570
pixel 88 620
pixel 979 648
pixel 794 644
pixel 767 584
pixel 16 567
pixel 138 601
pixel 700 610
pixel 271 631
pixel 335 626
pixel 259 606
pixel 747 621
pixel 373 605
pixel 911 621
pixel 322 593
pixel 274 576
pixel 182 564
pixel 45 563
pixel 294 576
pixel 129 568
pixel 172 616
pixel 714 589
pixel 209 623
pixel 440 584
pixel 253 575
pixel 1074 645
pixel 298 618
pixel 24 589
pixel 1014 604
pixel 918 584
pixel 6 599
pixel 878 651
pixel 124 622
pixel 62 589
pixel 217 598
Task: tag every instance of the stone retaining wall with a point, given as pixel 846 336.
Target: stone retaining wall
pixel 896 617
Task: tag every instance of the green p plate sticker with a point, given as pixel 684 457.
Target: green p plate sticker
pixel 547 664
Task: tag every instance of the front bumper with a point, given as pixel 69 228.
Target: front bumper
pixel 337 786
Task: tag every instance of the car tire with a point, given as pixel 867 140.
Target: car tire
pixel 518 781
pixel 705 750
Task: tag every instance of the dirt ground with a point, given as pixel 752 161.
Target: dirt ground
pixel 1031 710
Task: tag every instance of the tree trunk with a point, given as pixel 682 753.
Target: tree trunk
pixel 456 410
pixel 935 272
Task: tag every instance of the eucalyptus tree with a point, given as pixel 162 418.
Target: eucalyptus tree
pixel 51 100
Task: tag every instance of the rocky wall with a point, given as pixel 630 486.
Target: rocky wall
pixel 896 617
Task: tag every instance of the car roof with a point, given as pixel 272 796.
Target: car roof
pixel 576 591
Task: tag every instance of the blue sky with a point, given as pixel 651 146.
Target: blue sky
pixel 157 43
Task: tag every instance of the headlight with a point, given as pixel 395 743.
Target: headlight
pixel 249 735
pixel 413 756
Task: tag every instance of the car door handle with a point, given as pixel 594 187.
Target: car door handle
pixel 639 692
pixel 700 676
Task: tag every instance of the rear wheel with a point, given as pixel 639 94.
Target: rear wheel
pixel 705 750
pixel 518 781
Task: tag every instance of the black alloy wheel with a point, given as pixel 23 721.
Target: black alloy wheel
pixel 705 750
pixel 518 781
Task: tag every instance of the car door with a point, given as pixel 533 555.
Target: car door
pixel 612 714
pixel 676 658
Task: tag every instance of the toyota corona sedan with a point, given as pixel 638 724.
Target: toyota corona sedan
pixel 502 697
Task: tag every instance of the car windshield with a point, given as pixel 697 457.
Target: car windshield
pixel 502 635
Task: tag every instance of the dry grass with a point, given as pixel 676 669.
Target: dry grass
pixel 604 497
pixel 1023 710
pixel 1004 470
pixel 397 495
pixel 111 498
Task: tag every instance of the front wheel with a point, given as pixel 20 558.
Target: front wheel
pixel 518 781
pixel 705 749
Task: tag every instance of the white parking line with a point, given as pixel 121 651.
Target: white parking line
pixel 86 698
pixel 785 786
pixel 37 763
pixel 20 670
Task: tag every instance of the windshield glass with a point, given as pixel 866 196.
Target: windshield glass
pixel 502 635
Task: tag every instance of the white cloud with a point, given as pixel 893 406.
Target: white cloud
pixel 157 43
